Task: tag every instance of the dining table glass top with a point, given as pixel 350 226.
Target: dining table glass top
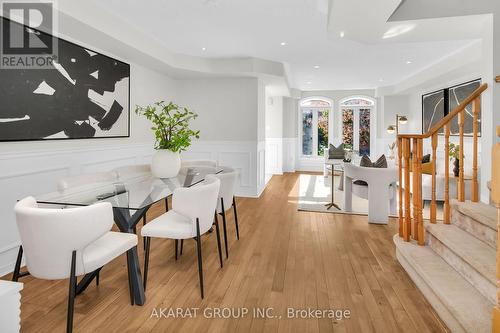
pixel 134 193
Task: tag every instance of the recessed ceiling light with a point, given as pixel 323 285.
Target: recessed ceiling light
pixel 203 48
pixel 380 80
pixel 316 66
pixel 283 43
pixel 342 34
pixel 408 62
pixel 309 82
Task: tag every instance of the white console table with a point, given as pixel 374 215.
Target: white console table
pixel 10 306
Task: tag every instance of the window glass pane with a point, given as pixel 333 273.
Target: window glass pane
pixel 322 131
pixel 358 102
pixel 307 132
pixel 364 132
pixel 347 128
pixel 315 103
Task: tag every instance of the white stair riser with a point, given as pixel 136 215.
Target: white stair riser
pixel 476 229
pixel 486 287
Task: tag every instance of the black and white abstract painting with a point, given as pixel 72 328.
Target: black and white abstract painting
pixel 456 96
pixel 433 109
pixel 85 95
pixel 438 104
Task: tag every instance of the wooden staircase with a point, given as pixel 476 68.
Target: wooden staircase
pixel 453 262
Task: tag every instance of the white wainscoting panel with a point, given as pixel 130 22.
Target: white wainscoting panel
pixel 289 154
pixel 36 172
pixel 274 156
pixel 240 155
pixel 261 167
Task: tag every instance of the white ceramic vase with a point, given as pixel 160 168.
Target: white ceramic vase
pixel 165 164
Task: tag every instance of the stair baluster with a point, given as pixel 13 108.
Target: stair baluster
pixel 400 201
pixel 434 161
pixel 461 182
pixel 407 222
pixel 476 109
pixel 446 206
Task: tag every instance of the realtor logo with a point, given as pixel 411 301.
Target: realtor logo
pixel 27 40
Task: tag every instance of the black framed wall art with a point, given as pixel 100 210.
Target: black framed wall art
pixel 84 94
pixel 440 103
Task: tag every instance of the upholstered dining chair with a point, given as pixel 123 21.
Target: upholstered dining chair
pixel 66 243
pixel 226 200
pixel 191 163
pixel 132 171
pixel 84 179
pixel 191 216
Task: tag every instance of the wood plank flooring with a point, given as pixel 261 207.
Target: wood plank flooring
pixel 284 259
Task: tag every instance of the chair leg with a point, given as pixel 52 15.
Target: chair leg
pixel 146 260
pixel 198 247
pixel 236 220
pixel 218 238
pixel 224 226
pixel 182 246
pixel 130 288
pixel 72 294
pixel 143 224
pixel 166 204
pixel 17 268
pixel 176 247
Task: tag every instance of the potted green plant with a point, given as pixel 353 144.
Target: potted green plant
pixel 454 153
pixel 172 133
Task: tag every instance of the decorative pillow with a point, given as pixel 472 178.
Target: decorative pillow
pixel 336 153
pixel 427 168
pixel 381 162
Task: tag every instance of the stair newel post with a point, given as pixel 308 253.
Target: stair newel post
pixel 434 142
pixel 400 170
pixel 476 109
pixel 446 206
pixel 495 197
pixel 461 182
pixel 407 221
pixel 415 178
pixel 420 217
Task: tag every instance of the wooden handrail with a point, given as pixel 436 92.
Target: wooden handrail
pixel 434 129
pixel 410 154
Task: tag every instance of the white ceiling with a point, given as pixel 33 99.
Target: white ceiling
pixel 244 28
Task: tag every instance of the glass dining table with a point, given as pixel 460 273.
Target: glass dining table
pixel 130 198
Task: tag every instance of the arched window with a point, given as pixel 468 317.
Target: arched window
pixel 315 113
pixel 357 113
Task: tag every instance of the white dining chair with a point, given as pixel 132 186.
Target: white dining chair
pixel 66 243
pixel 131 171
pixel 69 182
pixel 192 215
pixel 226 201
pixel 191 163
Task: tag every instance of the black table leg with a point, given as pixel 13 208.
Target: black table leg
pixel 126 223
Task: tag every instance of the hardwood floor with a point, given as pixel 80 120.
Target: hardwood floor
pixel 284 259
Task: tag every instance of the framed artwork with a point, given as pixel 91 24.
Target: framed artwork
pixel 439 104
pixel 83 95
pixel 433 109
